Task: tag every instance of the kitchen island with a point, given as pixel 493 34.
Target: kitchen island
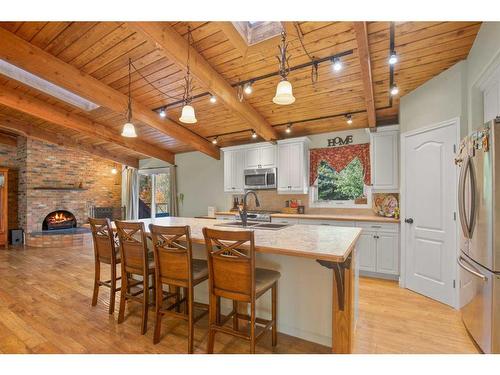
pixel 317 292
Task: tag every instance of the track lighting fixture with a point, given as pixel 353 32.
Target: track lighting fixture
pixel 393 58
pixel 289 128
pixel 214 141
pixel 247 88
pixel 163 113
pixel 337 64
pixel 254 134
pixel 114 170
pixel 213 99
pixel 394 90
pixel 348 119
pixel 129 128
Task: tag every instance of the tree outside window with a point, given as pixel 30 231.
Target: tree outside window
pixel 340 186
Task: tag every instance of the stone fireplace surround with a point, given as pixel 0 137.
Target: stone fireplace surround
pixel 51 178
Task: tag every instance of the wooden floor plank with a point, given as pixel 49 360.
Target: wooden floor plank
pixel 45 307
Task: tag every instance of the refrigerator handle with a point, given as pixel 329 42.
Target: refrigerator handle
pixel 473 271
pixel 461 198
pixel 473 206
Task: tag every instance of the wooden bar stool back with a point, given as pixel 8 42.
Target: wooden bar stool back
pixel 105 251
pixel 135 261
pixel 233 275
pixel 175 267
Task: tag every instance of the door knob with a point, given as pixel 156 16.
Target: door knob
pixel 409 221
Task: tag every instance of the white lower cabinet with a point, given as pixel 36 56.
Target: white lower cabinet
pixel 379 252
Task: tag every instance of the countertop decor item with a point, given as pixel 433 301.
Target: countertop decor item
pixel 385 204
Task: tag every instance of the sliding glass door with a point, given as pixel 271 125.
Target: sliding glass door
pixel 154 193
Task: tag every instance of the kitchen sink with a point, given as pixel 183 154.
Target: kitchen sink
pixel 253 225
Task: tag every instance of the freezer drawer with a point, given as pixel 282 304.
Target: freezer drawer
pixel 479 298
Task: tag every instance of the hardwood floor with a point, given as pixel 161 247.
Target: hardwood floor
pixel 45 297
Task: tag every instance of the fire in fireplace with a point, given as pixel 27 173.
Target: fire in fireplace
pixel 60 219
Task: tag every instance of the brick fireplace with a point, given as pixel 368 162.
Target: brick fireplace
pixel 53 179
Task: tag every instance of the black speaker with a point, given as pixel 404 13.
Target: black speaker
pixel 16 237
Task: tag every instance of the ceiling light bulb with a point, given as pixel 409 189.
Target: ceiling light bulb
pixel 348 119
pixel 337 64
pixel 248 88
pixel 289 128
pixel 393 58
pixel 214 141
pixel 394 90
pixel 114 171
pixel 254 134
pixel 163 113
pixel 129 130
pixel 284 93
pixel 187 115
pixel 213 99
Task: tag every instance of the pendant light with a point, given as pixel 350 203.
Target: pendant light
pixel 284 90
pixel 187 115
pixel 129 128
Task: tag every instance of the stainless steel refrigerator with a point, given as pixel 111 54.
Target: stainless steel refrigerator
pixel 479 214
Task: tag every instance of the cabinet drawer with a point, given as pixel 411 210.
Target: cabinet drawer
pixel 333 223
pixel 375 227
pixel 284 220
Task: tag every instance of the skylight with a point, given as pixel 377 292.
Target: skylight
pixel 254 32
pixel 29 79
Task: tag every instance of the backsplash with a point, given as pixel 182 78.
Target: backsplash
pixel 271 200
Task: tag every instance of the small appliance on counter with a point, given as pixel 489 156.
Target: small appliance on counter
pixel 211 211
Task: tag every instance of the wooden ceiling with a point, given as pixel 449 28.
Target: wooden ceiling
pixel 101 50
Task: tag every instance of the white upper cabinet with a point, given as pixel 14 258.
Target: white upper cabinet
pixel 293 166
pixel 491 100
pixel 261 157
pixel 234 163
pixel 384 153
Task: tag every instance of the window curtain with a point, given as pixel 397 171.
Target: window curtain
pixel 174 209
pixel 131 194
pixel 338 158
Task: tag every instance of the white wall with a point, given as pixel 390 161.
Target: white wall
pixel 440 99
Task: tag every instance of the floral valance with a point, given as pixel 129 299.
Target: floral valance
pixel 338 158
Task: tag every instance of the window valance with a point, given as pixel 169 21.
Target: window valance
pixel 338 158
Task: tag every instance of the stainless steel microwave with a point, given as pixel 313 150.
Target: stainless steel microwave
pixel 260 178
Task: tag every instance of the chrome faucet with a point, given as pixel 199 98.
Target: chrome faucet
pixel 243 207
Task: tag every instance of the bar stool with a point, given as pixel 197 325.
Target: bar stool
pixel 232 275
pixel 135 261
pixel 175 267
pixel 105 251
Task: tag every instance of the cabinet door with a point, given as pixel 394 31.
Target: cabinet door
pixel 283 169
pixel 252 156
pixel 366 249
pixel 238 166
pixel 491 100
pixel 228 171
pixel 268 156
pixel 385 165
pixel 296 167
pixel 387 253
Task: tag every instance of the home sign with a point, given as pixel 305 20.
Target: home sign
pixel 339 141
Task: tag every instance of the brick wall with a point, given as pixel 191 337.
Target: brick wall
pixel 37 164
pixel 49 165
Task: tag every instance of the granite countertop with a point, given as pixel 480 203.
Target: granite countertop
pixel 307 241
pixel 340 217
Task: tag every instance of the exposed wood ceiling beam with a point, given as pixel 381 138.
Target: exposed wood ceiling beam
pixel 30 131
pixel 174 46
pixel 361 31
pixel 38 108
pixel 33 59
pixel 8 140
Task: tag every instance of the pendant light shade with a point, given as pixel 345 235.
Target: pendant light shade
pixel 129 130
pixel 187 115
pixel 284 93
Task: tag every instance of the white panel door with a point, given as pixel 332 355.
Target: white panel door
pixel 366 248
pixel 296 168
pixel 252 156
pixel 268 156
pixel 430 196
pixel 283 169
